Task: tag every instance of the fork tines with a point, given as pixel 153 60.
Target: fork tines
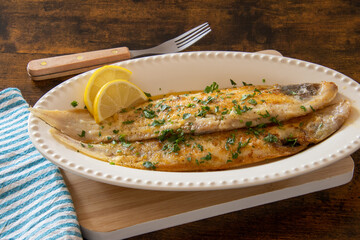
pixel 192 36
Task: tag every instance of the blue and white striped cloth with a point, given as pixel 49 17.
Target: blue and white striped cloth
pixel 34 200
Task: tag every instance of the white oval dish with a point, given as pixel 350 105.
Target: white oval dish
pixel 193 71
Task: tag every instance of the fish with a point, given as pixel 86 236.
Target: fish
pixel 213 110
pixel 178 152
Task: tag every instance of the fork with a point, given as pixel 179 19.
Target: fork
pixel 64 65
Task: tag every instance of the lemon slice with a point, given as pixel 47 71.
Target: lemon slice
pixel 114 96
pixel 99 78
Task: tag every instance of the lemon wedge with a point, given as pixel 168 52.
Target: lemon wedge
pixel 114 96
pixel 99 78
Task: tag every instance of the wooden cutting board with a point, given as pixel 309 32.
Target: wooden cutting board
pixel 112 212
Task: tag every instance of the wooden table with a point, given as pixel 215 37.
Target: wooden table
pixel 324 32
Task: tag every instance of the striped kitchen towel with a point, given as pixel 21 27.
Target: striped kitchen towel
pixel 34 200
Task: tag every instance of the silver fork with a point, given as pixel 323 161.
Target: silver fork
pixel 64 65
pixel 176 44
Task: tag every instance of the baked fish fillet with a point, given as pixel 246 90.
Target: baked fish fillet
pixel 175 151
pixel 198 113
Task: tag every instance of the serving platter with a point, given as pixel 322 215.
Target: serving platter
pixel 193 71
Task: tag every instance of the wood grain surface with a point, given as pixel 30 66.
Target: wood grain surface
pixel 323 32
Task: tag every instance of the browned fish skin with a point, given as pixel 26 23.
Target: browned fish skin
pixel 198 113
pixel 222 150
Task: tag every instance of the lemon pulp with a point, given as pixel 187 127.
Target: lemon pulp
pixel 99 78
pixel 114 96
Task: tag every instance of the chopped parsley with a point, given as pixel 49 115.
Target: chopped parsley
pixel 248 124
pixel 209 99
pixel 74 103
pixel 241 145
pixel 257 91
pixel 256 131
pixel 232 82
pixel 82 134
pixel 158 122
pixel 246 84
pixel 291 142
pixel 147 94
pixel 186 115
pixel 240 110
pixel 270 138
pixel 174 138
pixel 275 120
pixel 245 96
pixel 230 141
pixel 195 99
pixel 128 122
pixel 164 107
pixel 213 87
pixel 115 131
pixel 226 111
pixel 207 157
pixel 149 165
pixel 312 108
pixel 252 101
pixel 303 108
pixel 267 114
pixel 203 111
pixel 126 144
pixel 149 113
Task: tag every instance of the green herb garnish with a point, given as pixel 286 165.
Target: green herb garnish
pixel 213 87
pixel 246 84
pixel 230 141
pixel 149 165
pixel 270 138
pixel 164 107
pixel 291 141
pixel 203 111
pixel 275 120
pixel 252 101
pixel 82 134
pixel 207 157
pixel 241 145
pixel 147 94
pixel 74 103
pixel 186 115
pixel 149 113
pixel 158 122
pixel 267 114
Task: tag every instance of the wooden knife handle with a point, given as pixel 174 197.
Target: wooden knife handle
pixel 47 68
